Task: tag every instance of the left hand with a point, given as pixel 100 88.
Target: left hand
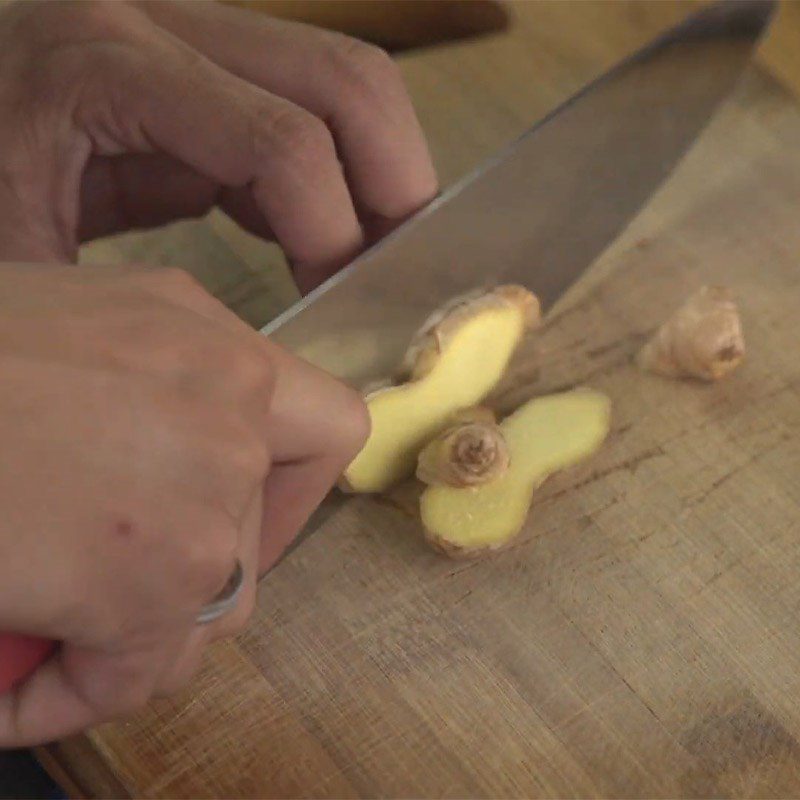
pixel 118 115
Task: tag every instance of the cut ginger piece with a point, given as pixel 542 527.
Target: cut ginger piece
pixel 544 435
pixel 454 362
pixel 702 339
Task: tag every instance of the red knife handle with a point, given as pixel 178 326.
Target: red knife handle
pixel 19 656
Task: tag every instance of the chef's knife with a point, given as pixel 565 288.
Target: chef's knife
pixel 537 213
pixel 542 209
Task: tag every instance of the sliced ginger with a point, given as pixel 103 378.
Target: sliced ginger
pixel 543 436
pixel 702 339
pixel 456 359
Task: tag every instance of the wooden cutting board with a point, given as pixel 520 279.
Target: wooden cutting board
pixel 641 638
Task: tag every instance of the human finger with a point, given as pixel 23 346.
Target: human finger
pixel 355 87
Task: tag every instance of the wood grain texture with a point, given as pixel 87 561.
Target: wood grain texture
pixel 641 638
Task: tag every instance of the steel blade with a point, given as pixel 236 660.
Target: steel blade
pixel 540 211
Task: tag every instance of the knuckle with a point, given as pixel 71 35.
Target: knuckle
pixel 251 368
pixel 249 459
pixel 294 135
pixel 365 71
pixel 192 61
pixel 90 21
pixel 71 47
pixel 87 74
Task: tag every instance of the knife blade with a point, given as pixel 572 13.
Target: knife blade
pixel 537 213
pixel 541 210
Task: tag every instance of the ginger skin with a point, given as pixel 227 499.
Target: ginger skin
pixel 545 435
pixel 470 452
pixel 458 357
pixel 702 339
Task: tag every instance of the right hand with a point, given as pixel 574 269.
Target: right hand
pixel 150 439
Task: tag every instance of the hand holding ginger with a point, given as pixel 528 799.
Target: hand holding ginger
pixel 151 439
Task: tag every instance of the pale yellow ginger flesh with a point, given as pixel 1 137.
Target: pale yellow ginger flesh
pixel 544 435
pixel 469 452
pixel 702 339
pixel 459 357
pixel 427 345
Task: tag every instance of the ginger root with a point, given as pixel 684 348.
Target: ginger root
pixel 453 363
pixel 544 435
pixel 702 339
pixel 470 452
